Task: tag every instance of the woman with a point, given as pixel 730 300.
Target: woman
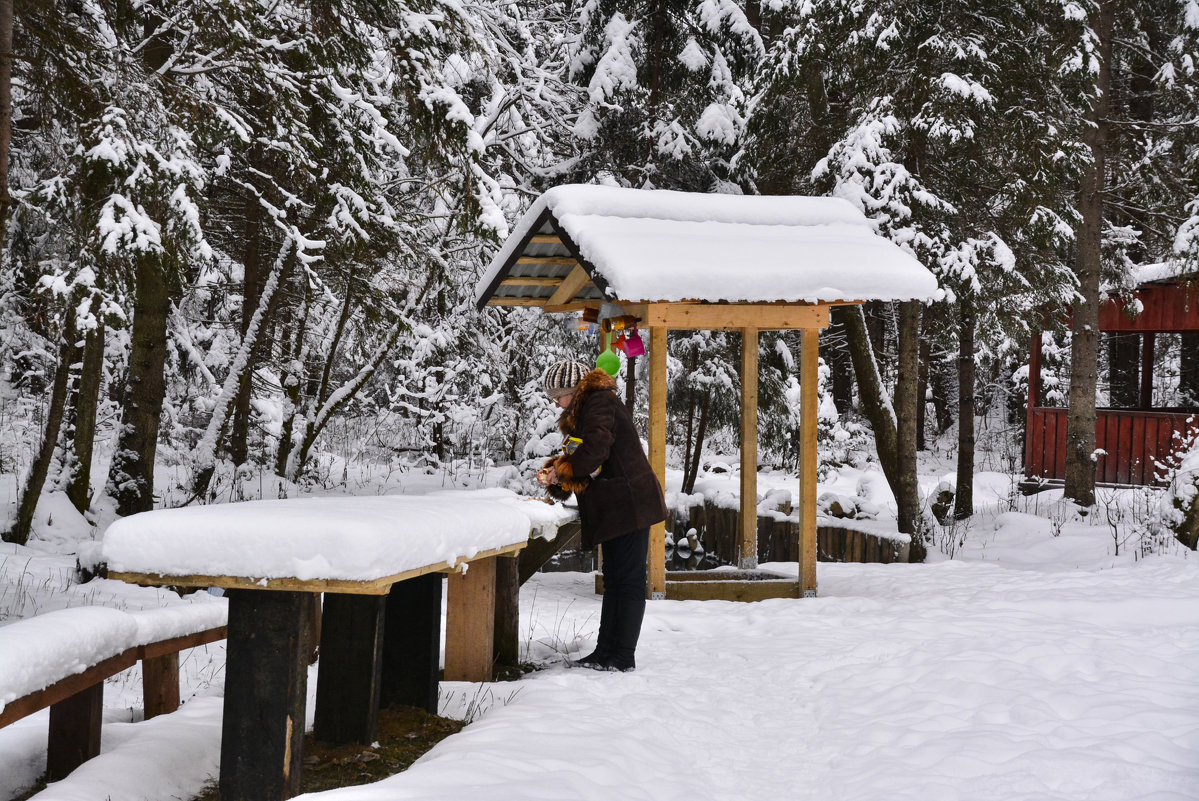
pixel 619 498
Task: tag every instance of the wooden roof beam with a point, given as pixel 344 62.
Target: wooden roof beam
pixel 571 284
pixel 531 280
pixel 547 261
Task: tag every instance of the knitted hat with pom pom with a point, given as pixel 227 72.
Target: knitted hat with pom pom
pixel 563 377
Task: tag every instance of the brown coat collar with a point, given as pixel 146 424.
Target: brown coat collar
pixel 594 381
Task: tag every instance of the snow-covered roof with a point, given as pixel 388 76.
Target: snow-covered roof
pixel 663 246
pixel 358 539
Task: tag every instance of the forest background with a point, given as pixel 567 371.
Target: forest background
pixel 240 241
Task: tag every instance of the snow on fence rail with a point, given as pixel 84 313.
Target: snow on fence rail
pixel 61 659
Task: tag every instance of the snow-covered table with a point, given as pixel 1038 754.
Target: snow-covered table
pixel 378 560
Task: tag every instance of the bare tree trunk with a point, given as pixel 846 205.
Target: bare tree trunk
pixel 872 401
pixel 1084 344
pixel 5 113
pixel 35 480
pixel 691 469
pixel 87 404
pixel 293 380
pixel 907 496
pixel 251 288
pixel 963 496
pixel 131 474
pixel 922 391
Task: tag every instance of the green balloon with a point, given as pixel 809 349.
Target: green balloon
pixel 609 362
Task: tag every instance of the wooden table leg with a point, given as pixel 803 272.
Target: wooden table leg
pixel 160 684
pixel 470 622
pixel 347 683
pixel 412 643
pixel 74 731
pixel 507 611
pixel 266 680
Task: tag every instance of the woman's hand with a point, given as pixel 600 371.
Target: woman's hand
pixel 547 476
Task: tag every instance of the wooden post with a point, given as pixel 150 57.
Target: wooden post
pixel 506 651
pixel 470 622
pixel 1147 343
pixel 1034 372
pixel 266 682
pixel 74 731
pixel 748 524
pixel 1031 451
pixel 160 684
pixel 630 383
pixel 809 376
pixel 347 685
pixel 657 454
pixel 412 643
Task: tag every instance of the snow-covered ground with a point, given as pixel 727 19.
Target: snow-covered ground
pixel 1037 663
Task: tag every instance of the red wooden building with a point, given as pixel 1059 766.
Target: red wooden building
pixel 1132 438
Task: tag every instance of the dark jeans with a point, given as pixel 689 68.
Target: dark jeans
pixel 624 568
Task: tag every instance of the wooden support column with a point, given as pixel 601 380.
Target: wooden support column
pixel 809 376
pixel 748 521
pixel 160 684
pixel 470 622
pixel 1034 400
pixel 412 643
pixel 1147 343
pixel 351 661
pixel 657 454
pixel 266 682
pixel 506 652
pixel 74 731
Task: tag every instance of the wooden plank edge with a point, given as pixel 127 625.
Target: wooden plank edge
pixel 175 644
pixel 379 586
pixel 64 688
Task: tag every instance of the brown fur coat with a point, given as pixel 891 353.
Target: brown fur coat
pixel 608 472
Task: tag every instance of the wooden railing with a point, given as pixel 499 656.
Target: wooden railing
pixel 1133 442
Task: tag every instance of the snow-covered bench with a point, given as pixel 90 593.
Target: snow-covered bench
pixel 377 560
pixel 60 660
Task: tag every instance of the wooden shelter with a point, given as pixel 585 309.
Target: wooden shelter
pixel 687 261
pixel 1133 439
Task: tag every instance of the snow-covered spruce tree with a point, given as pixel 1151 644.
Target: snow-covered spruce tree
pixel 438 193
pixel 111 178
pixel 665 90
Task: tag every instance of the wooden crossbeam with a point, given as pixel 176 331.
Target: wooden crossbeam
pixel 718 316
pixel 546 239
pixel 547 261
pixel 531 280
pixel 516 302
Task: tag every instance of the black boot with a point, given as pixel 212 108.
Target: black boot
pixel 598 659
pixel 631 611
